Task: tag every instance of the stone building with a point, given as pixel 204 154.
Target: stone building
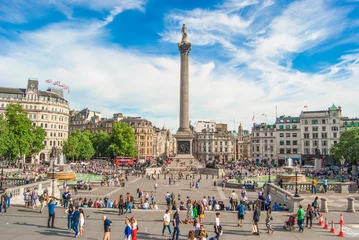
pixel 144 136
pixel 263 143
pixel 47 109
pixel 320 130
pixel 288 140
pixel 80 119
pixel 243 144
pixel 164 143
pixel 217 145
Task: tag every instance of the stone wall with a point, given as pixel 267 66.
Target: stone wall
pixel 337 187
pixel 210 171
pixel 281 196
pixel 18 192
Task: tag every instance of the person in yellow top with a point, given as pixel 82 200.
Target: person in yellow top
pixel 314 186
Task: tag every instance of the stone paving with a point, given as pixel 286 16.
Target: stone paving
pixel 20 223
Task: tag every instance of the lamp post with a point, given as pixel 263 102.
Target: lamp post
pixel 269 173
pixel 342 161
pixel 2 174
pixel 296 184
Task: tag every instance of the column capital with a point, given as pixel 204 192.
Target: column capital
pixel 184 47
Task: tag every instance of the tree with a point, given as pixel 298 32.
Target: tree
pixel 348 147
pixel 79 146
pixel 123 140
pixel 38 138
pixel 3 137
pixel 101 142
pixel 86 149
pixel 70 147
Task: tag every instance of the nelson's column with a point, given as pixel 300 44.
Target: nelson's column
pixel 184 135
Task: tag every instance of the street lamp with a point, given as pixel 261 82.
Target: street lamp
pixel 296 184
pixel 2 174
pixel 342 161
pixel 269 173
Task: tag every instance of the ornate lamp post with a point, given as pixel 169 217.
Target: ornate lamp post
pixel 269 181
pixel 296 184
pixel 342 161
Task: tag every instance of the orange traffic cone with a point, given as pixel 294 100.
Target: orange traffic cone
pixel 326 226
pixel 332 230
pixel 321 222
pixel 341 219
pixel 341 231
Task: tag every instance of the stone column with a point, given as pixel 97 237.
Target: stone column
pixel 351 206
pixel 324 205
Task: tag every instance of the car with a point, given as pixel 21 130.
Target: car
pixel 308 166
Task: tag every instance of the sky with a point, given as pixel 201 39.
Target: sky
pixel 248 57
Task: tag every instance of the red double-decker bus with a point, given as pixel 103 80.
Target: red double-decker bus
pixel 124 161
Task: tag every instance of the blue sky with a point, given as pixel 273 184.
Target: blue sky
pixel 248 56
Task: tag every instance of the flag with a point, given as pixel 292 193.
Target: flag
pixel 306 106
pixel 253 118
pixel 63 85
pixel 68 91
pixel 48 81
pixel 57 83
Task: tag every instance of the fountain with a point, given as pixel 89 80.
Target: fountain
pixel 289 175
pixel 62 172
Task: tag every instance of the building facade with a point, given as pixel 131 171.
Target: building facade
pixel 263 143
pixel 47 109
pixel 243 144
pixel 80 119
pixel 143 130
pixel 320 130
pixel 217 145
pixel 164 143
pixel 288 140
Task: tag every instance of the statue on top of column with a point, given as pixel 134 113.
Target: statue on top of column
pixel 184 33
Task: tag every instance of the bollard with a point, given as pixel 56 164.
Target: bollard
pixel 206 176
pixel 324 204
pixel 200 176
pixel 164 176
pixel 186 176
pixel 212 176
pixel 351 206
pixel 158 176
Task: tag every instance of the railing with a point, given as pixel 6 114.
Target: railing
pixel 16 181
pixel 282 196
pixel 338 187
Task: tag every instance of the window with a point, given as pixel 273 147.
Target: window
pixel 315 135
pixel 324 129
pixel 288 151
pixel 295 142
pixel 287 134
pixel 324 135
pixel 314 121
pixel 315 129
pixel 281 134
pixel 335 135
pixel 323 121
pixel 257 148
pixel 305 122
pixel 281 151
pixel 325 151
pixel 307 151
pixel 307 143
pixel 294 126
pixel 295 151
pixel 265 134
pixel 324 143
pixel 315 143
pixel 306 129
pixel 334 121
pixel 287 126
pixel 294 135
pixel 281 142
pixel 287 142
pixel 281 127
pixel 306 135
pixel 334 129
pixel 257 134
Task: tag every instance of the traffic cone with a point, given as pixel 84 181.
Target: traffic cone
pixel 341 219
pixel 326 226
pixel 321 222
pixel 341 231
pixel 332 230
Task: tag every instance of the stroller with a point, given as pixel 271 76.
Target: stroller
pixel 290 223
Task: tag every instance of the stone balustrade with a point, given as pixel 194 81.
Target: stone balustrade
pixel 282 196
pixel 18 192
pixel 339 187
pixel 8 182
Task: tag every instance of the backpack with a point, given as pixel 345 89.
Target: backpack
pixel 41 198
pixel 131 198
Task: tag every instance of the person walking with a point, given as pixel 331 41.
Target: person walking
pixel 128 203
pixel 70 213
pixel 76 221
pixel 315 205
pixel 121 205
pixel 9 196
pixel 269 221
pixel 325 184
pixel 309 216
pixel 300 218
pixel 51 206
pixel 241 211
pixel 107 228
pixel 128 230
pixel 166 222
pixel 81 222
pixel 256 218
pixel 176 222
pixel 217 226
pixel 134 228
pixel 3 203
pixel 42 202
pixel 314 186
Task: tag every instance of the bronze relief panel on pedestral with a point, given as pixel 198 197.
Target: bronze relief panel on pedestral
pixel 184 147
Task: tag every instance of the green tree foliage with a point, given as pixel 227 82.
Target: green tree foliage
pixel 123 140
pixel 20 136
pixel 101 142
pixel 348 146
pixel 78 146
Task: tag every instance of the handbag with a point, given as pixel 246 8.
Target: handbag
pixel 167 223
pixel 201 215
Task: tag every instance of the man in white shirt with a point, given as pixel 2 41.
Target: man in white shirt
pixel 217 226
pixel 204 202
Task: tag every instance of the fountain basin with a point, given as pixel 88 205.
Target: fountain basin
pixel 291 178
pixel 62 175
